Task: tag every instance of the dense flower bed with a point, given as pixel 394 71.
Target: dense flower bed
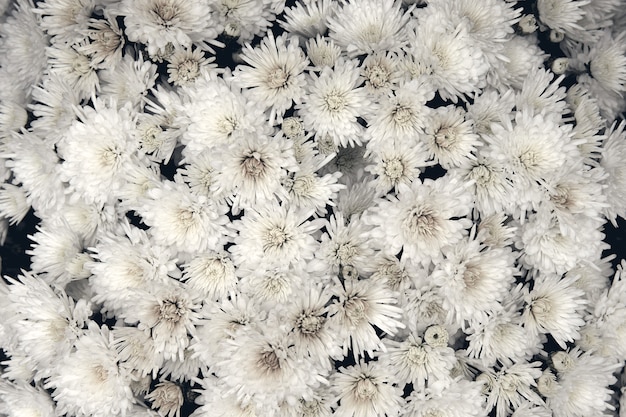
pixel 357 208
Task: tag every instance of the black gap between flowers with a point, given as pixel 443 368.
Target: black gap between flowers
pixel 13 252
pixel 616 237
pixel 136 220
pixel 433 172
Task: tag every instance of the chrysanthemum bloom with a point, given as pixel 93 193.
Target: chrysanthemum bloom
pixel 381 72
pixel 511 386
pixel 418 362
pixel 308 19
pixel 458 398
pixel 555 306
pixel 451 59
pixel 22 51
pixel 169 313
pixel 272 283
pixel 187 65
pixel 212 274
pixel 13 203
pixel 253 170
pixel 167 398
pixel 365 390
pixel 531 151
pixel 274 77
pixel 335 102
pixel 184 221
pixel 401 116
pixel 156 24
pixel 129 81
pixel 244 19
pixel 541 93
pixel 217 113
pixel 395 164
pixel 473 278
pixel 136 351
pixel 361 305
pixel 106 41
pixel 42 323
pixel 88 381
pixel 365 26
pixel 523 56
pixel 19 399
pixel 613 157
pixel 65 20
pixel 561 15
pixel 343 245
pixel 261 368
pixel 34 167
pixel 583 384
pixel 96 149
pixel 322 52
pixel 421 219
pixel 273 234
pixel 59 253
pixel 72 64
pixel 607 59
pixel 450 137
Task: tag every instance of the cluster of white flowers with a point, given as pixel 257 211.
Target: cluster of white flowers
pixel 313 208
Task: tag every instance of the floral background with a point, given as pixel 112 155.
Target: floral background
pixel 359 208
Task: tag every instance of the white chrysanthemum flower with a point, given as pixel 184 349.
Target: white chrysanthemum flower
pixel 450 138
pixel 552 248
pixel 274 76
pixel 490 107
pixel 69 62
pixel 365 26
pixel 335 102
pixel 185 66
pixel 273 234
pixel 461 398
pixel 156 24
pixel 561 15
pixel 360 306
pixel 308 19
pixel 555 306
pixel 218 113
pixel 22 50
pixel 220 322
pixel 59 253
pixel 421 219
pixel 136 351
pixel 45 323
pixel 89 381
pixel 34 167
pixel 395 164
pixel 180 219
pixel 532 151
pixel 343 245
pixel 417 362
pixel 394 273
pixel 271 284
pixel 310 327
pixel 167 398
pixel 23 400
pixel 401 116
pixel 452 60
pixel 65 20
pixel 309 190
pixel 607 60
pixel 494 230
pixel 13 203
pixel 523 56
pixel 129 81
pixel 53 106
pixel 155 140
pixel 216 399
pixel 501 338
pixel 212 274
pixel 13 117
pixel 254 170
pixel 106 41
pixel 583 386
pixel 168 313
pixel 366 390
pixel 262 370
pixel 613 158
pixel 96 150
pixel 381 72
pixel 125 264
pixel 243 19
pixel 473 278
pixel 322 52
pixel 541 92
pixel 511 386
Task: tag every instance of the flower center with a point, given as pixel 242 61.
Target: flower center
pixel 378 76
pixel 171 311
pixel 269 361
pixel 365 389
pixel 165 13
pixel 309 323
pixel 481 174
pixel 446 137
pixel 422 222
pixel 402 115
pixel 356 310
pixel 335 101
pixel 416 355
pixel 393 168
pixel 277 78
pixel 253 165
